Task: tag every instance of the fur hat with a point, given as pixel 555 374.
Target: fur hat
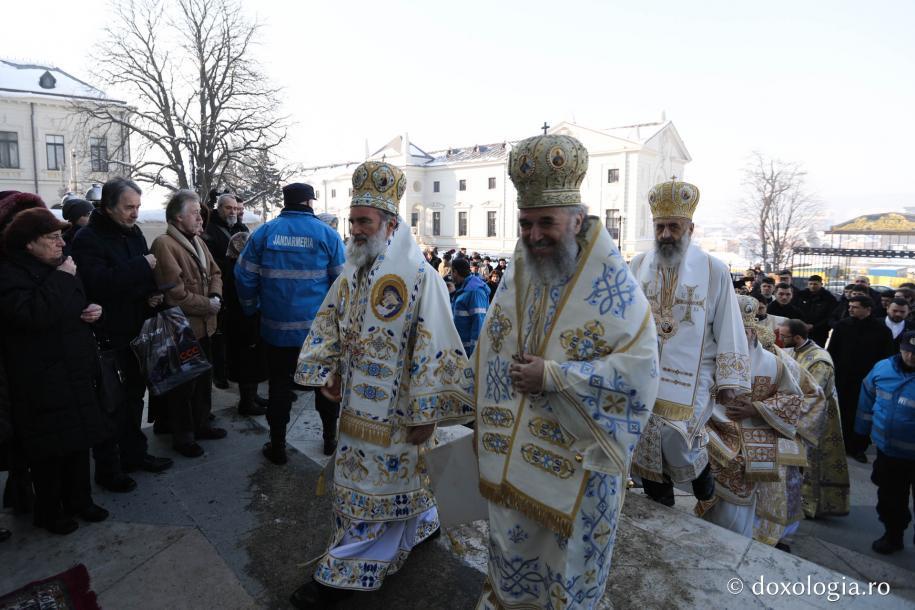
pixel 15 203
pixel 28 226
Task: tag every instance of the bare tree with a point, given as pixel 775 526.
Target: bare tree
pixel 778 209
pixel 199 100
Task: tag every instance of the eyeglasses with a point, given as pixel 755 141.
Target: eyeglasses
pixel 53 237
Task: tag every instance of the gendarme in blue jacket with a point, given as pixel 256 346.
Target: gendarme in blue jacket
pixel 886 408
pixel 285 270
pixel 469 309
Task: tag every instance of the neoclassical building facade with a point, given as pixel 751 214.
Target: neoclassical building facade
pixel 462 197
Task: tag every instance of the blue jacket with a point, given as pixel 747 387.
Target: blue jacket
pixel 469 309
pixel 887 403
pixel 285 271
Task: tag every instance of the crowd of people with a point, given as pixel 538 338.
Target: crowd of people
pixel 576 370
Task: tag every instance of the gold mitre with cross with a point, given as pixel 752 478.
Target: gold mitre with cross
pixel 673 199
pixel 379 185
pixel 547 171
pixel 748 307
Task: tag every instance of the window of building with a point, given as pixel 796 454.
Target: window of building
pixel 462 185
pixel 435 186
pixel 9 149
pixel 613 175
pixel 613 223
pixel 333 193
pixel 490 224
pixel 55 148
pixel 492 183
pixel 414 219
pixel 462 223
pixel 436 223
pixel 98 154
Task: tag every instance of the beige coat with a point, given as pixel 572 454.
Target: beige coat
pixel 177 263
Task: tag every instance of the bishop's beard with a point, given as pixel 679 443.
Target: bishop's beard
pixel 671 252
pixel 363 251
pixel 553 269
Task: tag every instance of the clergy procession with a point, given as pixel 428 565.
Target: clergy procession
pixel 580 377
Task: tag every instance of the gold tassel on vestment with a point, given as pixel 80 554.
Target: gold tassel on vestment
pixel 321 488
pixel 515 500
pixel 671 410
pixel 376 433
pixel 763 476
pixel 718 453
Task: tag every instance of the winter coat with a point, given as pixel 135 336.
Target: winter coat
pixel 111 263
pixel 856 346
pixel 817 307
pixel 6 426
pixel 886 408
pixel 469 307
pixel 192 283
pixel 217 237
pixel 51 359
pixel 285 271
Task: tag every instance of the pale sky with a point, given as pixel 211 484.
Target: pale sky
pixel 829 83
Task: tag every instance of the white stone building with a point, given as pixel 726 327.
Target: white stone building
pixel 45 147
pixel 464 197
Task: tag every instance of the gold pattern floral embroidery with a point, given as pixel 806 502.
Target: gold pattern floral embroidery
pixel 585 344
pixel 350 464
pixel 498 417
pixel 549 431
pixel 392 467
pixel 498 328
pixel 496 443
pixel 732 364
pixel 544 459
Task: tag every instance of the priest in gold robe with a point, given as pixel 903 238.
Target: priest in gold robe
pixel 567 373
pixel 701 345
pixel 385 346
pixel 746 437
pixel 825 488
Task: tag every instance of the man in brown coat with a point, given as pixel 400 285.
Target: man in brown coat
pixel 186 266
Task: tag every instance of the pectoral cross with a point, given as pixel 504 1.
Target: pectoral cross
pixel 544 127
pixel 690 303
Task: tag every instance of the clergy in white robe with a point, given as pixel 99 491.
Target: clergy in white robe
pixel 384 344
pixel 701 345
pixel 567 373
pixel 749 440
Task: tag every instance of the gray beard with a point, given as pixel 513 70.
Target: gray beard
pixel 671 255
pixel 555 269
pixel 363 255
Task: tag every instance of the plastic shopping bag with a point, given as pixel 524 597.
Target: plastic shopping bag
pixel 168 352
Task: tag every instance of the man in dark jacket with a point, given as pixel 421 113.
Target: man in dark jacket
pixel 896 319
pixel 782 305
pixel 116 267
pixel 224 222
pixel 816 304
pixel 858 343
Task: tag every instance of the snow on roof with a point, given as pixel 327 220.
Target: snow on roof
pixel 44 80
pixel 640 132
pixel 478 153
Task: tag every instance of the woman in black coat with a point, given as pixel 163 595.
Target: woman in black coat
pixel 52 368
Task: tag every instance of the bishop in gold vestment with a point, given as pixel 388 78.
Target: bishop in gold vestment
pixel 567 370
pixel 384 345
pixel 701 346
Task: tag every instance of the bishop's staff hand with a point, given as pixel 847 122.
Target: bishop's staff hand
pixel 331 390
pixel 526 373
